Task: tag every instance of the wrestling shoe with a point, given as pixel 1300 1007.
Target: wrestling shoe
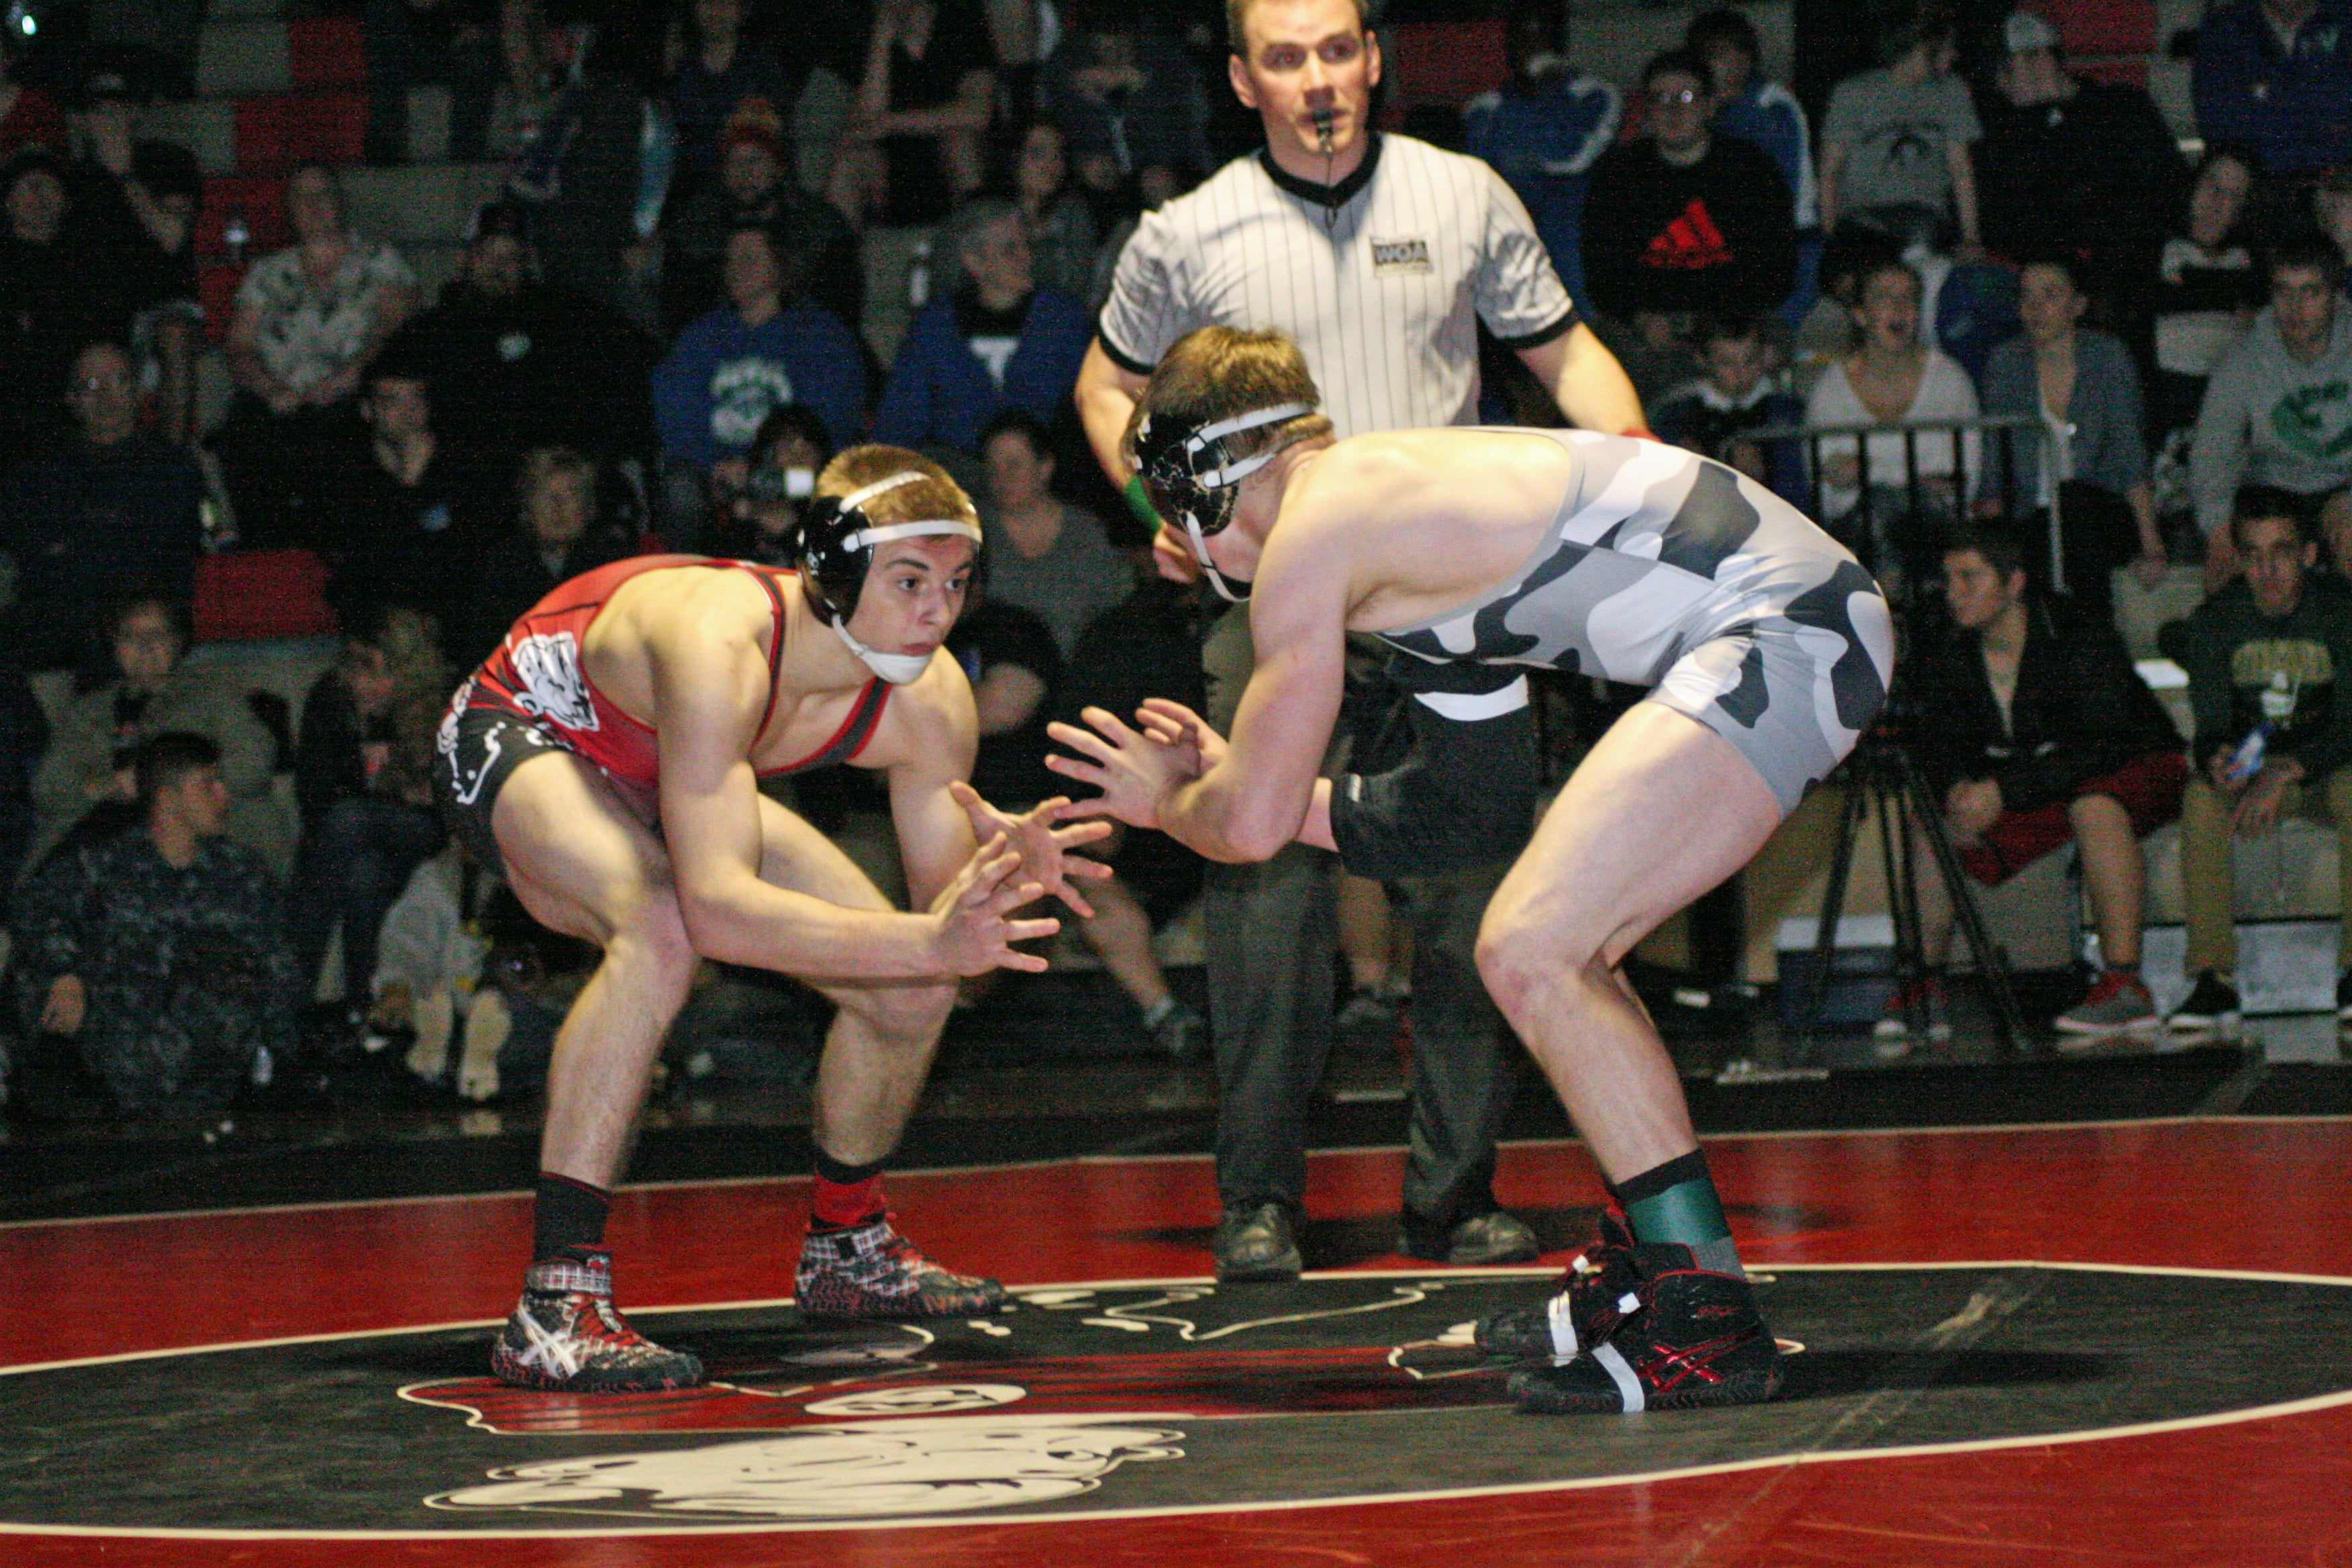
pixel 1592 1299
pixel 1255 1242
pixel 565 1336
pixel 1695 1339
pixel 871 1271
pixel 2211 1004
pixel 2118 1004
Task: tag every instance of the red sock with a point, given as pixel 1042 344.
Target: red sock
pixel 845 1195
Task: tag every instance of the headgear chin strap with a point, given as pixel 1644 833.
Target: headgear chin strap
pixel 837 546
pixel 1193 478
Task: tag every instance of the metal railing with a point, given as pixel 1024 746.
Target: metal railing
pixel 1866 523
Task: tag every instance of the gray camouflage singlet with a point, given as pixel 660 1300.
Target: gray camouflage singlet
pixel 1663 569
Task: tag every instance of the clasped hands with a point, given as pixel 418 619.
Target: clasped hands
pixel 1136 768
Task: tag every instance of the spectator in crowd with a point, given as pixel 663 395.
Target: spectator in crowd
pixel 1126 96
pixel 721 72
pixel 58 291
pixel 559 534
pixel 2331 209
pixel 2265 658
pixel 2086 466
pixel 29 116
pixel 308 320
pixel 162 951
pixel 85 780
pixel 770 345
pixel 1684 221
pixel 518 361
pixel 446 43
pixel 1892 379
pixel 1061 224
pixel 1044 555
pixel 762 521
pixel 404 531
pixel 2207 290
pixel 1715 415
pixel 1016 666
pixel 1899 137
pixel 1545 129
pixel 754 185
pixel 2275 77
pixel 362 774
pixel 24 736
pixel 1756 109
pixel 168 327
pixel 912 149
pixel 596 178
pixel 137 202
pixel 2072 167
pixel 109 507
pixel 2277 411
pixel 2042 732
pixel 995 341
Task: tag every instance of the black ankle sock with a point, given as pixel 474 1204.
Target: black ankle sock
pixel 567 1213
pixel 847 1196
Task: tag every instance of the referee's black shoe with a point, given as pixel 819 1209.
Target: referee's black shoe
pixel 1256 1242
pixel 1481 1241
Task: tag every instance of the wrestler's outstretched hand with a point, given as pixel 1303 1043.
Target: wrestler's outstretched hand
pixel 1133 769
pixel 1175 725
pixel 1043 846
pixel 974 915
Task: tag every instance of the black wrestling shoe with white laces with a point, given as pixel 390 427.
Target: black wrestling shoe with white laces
pixel 1589 1301
pixel 565 1335
pixel 871 1271
pixel 1694 1340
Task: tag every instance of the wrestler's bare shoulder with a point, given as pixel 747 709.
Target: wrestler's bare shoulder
pixel 693 602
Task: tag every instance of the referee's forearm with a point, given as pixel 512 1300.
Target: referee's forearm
pixel 1591 388
pixel 1106 396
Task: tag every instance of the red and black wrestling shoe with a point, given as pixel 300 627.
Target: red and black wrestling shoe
pixel 1695 1339
pixel 1590 1301
pixel 871 1271
pixel 564 1335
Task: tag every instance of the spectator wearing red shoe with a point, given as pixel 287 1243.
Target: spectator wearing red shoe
pixel 2039 732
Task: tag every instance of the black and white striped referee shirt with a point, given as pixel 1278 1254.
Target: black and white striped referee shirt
pixel 1376 278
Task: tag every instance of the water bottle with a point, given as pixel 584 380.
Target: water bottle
pixel 2278 706
pixel 219 532
pixel 918 275
pixel 2247 760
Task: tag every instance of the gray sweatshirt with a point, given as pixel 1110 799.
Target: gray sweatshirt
pixel 2269 419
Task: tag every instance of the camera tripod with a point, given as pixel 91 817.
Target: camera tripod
pixel 1881 773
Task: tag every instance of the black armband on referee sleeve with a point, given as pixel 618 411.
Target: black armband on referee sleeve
pixel 1465 793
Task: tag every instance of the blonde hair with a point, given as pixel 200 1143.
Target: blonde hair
pixel 935 495
pixel 1215 372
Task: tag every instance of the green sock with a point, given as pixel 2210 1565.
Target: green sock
pixel 1676 1202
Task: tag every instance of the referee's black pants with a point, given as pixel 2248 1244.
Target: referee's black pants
pixel 1272 954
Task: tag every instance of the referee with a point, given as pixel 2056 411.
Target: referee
pixel 1379 256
